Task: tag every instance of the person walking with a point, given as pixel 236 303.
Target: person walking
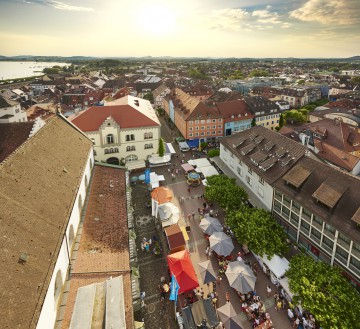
pixel 189 189
pixel 189 216
pixel 268 291
pixel 193 215
pixel 227 296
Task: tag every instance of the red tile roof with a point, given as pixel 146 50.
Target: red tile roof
pixel 124 115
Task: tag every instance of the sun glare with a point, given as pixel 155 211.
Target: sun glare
pixel 157 20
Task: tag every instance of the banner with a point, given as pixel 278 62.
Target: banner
pixel 174 288
pixel 147 176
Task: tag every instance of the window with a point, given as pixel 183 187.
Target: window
pixel 148 135
pixel 239 171
pixel 317 222
pixel 130 148
pixel 149 146
pixel 196 121
pixel 261 192
pixel 191 135
pixel 294 218
pixel 214 120
pixel 219 132
pixel 248 179
pixel 355 265
pixel 106 151
pixel 261 181
pixel 249 171
pixel 341 255
pixel 196 128
pixel 220 120
pixel 219 126
pixel 277 206
pixel 196 134
pixel 110 139
pixel 327 244
pixel 214 132
pixel 305 227
pixel 208 127
pixel 202 127
pixel 202 121
pixel 285 212
pixel 130 137
pixel 208 120
pixel 208 132
pixel 278 195
pixel 191 122
pixel 202 134
pixel 343 239
pixel 94 153
pixel 329 230
pixel 315 235
pixel 213 127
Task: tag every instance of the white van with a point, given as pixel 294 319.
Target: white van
pixel 184 146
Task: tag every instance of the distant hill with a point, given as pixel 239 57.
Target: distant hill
pixel 151 58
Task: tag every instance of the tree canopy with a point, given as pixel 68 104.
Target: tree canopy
pixel 161 150
pixel 258 230
pixel 149 97
pixel 294 116
pixel 225 192
pixel 259 73
pixel 324 292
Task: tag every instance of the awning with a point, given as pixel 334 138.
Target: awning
pixel 193 142
pixel 169 148
pixel 132 165
pixel 202 162
pixel 187 167
pixel 285 284
pixel 181 266
pixel 276 265
pixel 209 171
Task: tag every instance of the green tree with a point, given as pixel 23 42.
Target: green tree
pixel 294 116
pixel 355 80
pixel 253 122
pixel 149 97
pixel 259 73
pixel 258 229
pixel 225 192
pixel 213 153
pixel 161 150
pixel 325 292
pixel 281 121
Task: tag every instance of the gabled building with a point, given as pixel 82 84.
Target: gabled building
pixel 319 208
pixel 332 141
pixel 235 115
pixel 258 157
pixel 125 131
pixel 195 120
pixel 42 192
pixel 159 93
pixel 11 111
pixel 265 112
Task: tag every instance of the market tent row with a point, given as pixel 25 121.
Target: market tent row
pixel 195 314
pixel 181 267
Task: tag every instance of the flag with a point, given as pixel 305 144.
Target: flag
pixel 174 289
pixel 147 176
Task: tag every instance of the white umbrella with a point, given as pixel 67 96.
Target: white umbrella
pixel 221 244
pixel 207 271
pixel 169 210
pixel 240 276
pixel 229 318
pixel 209 225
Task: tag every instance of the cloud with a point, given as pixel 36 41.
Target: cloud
pixel 57 5
pixel 344 12
pixel 237 19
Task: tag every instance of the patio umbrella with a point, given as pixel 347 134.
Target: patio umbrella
pixel 229 318
pixel 240 276
pixel 169 210
pixel 134 179
pixel 207 271
pixel 221 243
pixel 209 225
pixel 142 177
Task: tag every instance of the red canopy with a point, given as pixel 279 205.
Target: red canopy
pixel 181 266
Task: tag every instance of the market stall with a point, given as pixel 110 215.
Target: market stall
pixel 275 267
pixel 175 238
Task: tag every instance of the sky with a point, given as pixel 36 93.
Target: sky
pixel 186 28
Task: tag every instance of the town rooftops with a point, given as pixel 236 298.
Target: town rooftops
pixel 328 193
pixel 39 184
pixel 12 135
pixel 127 112
pixel 265 151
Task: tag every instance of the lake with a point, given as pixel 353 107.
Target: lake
pixel 14 70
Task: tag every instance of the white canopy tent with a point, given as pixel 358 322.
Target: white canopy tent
pixel 209 171
pixel 277 265
pixel 155 179
pixel 202 162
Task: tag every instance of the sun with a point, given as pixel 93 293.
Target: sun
pixel 157 20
